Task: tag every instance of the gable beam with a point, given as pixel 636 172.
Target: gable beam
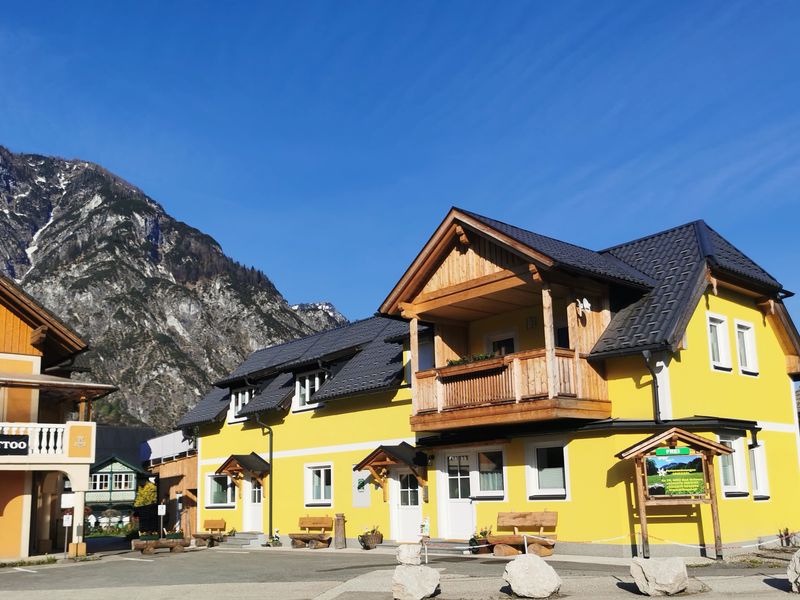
pixel 482 286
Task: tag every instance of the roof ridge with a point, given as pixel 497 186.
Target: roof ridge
pixel 649 236
pixel 549 237
pixel 318 333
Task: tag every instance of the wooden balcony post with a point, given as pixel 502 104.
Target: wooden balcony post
pixel 414 351
pixel 549 341
pixel 438 393
pixel 517 375
pixel 573 322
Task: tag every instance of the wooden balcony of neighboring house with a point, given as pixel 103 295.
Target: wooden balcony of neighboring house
pixel 511 389
pixel 72 442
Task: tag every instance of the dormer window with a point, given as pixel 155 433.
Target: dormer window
pixel 239 399
pixel 305 385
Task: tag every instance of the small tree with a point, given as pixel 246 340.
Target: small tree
pixel 146 494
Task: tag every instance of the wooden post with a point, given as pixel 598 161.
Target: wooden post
pixel 549 341
pixel 414 352
pixel 712 488
pixel 641 481
pixel 575 342
pixel 517 373
pixel 339 537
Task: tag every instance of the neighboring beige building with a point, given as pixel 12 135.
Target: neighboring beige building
pixel 173 460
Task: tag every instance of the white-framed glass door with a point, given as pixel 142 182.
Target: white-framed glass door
pixel 253 516
pixel 458 511
pixel 406 504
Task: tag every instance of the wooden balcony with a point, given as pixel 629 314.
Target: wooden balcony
pixel 517 388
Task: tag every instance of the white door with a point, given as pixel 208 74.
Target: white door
pixel 406 506
pixel 459 512
pixel 253 507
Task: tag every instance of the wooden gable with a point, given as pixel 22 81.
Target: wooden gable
pixel 477 258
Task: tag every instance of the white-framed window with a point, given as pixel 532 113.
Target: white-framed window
pixel 220 492
pixel 501 344
pixel 100 482
pixel 718 347
pixel 488 477
pixel 746 348
pixel 304 387
pixel 732 470
pixel 256 492
pixel 239 399
pixel 547 471
pixel 123 481
pixel 319 484
pixel 758 472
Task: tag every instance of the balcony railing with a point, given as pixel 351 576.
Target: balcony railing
pixel 72 441
pixel 513 378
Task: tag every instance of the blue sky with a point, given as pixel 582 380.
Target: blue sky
pixel 324 141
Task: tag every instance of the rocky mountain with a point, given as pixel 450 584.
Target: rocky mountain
pixel 164 309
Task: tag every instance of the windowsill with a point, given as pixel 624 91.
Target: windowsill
pixel 307 407
pixel 220 506
pixel 736 494
pixel 749 373
pixel 494 497
pixel 236 421
pixel 722 368
pixel 318 504
pixel 548 497
pixel 760 498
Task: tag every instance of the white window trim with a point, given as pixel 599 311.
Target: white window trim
pixel 237 403
pixel 750 347
pixel 307 487
pixel 231 491
pixel 501 335
pixel 474 476
pixel 96 478
pixel 296 406
pixel 740 490
pixel 724 365
pixel 533 492
pixel 758 459
pixel 124 476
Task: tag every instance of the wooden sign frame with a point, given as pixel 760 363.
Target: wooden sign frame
pixel 670 438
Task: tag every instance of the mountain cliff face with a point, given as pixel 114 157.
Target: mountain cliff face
pixel 164 310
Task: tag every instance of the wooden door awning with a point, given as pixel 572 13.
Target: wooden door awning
pixel 379 461
pixel 238 465
pixel 672 437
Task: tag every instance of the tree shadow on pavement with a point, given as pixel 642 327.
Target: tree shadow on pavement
pixel 778 583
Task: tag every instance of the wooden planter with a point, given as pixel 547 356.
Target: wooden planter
pixel 370 541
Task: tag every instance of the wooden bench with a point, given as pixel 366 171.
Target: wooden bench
pixel 215 532
pixel 533 525
pixel 313 540
pixel 150 546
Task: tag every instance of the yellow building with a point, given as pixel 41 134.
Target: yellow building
pixel 515 368
pixel 47 440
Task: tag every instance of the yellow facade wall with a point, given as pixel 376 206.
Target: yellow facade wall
pixel 12 513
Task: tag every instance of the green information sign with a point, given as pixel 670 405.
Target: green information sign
pixel 671 451
pixel 679 474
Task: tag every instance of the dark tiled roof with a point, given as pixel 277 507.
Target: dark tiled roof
pixel 365 361
pixel 677 260
pixel 378 366
pixel 271 395
pixel 569 255
pixel 250 462
pixel 211 406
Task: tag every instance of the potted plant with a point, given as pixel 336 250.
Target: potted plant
pixel 174 535
pixel 478 543
pixel 370 539
pixel 148 536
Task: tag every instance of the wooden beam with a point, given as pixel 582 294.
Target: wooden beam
pixel 712 281
pixel 414 356
pixel 549 341
pixel 38 335
pixel 462 236
pixel 712 488
pixel 477 288
pixel 766 306
pixel 574 325
pixel 792 364
pixel 640 481
pixel 508 413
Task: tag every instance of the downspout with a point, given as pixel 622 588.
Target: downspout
pixel 258 420
pixel 656 405
pixel 271 475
